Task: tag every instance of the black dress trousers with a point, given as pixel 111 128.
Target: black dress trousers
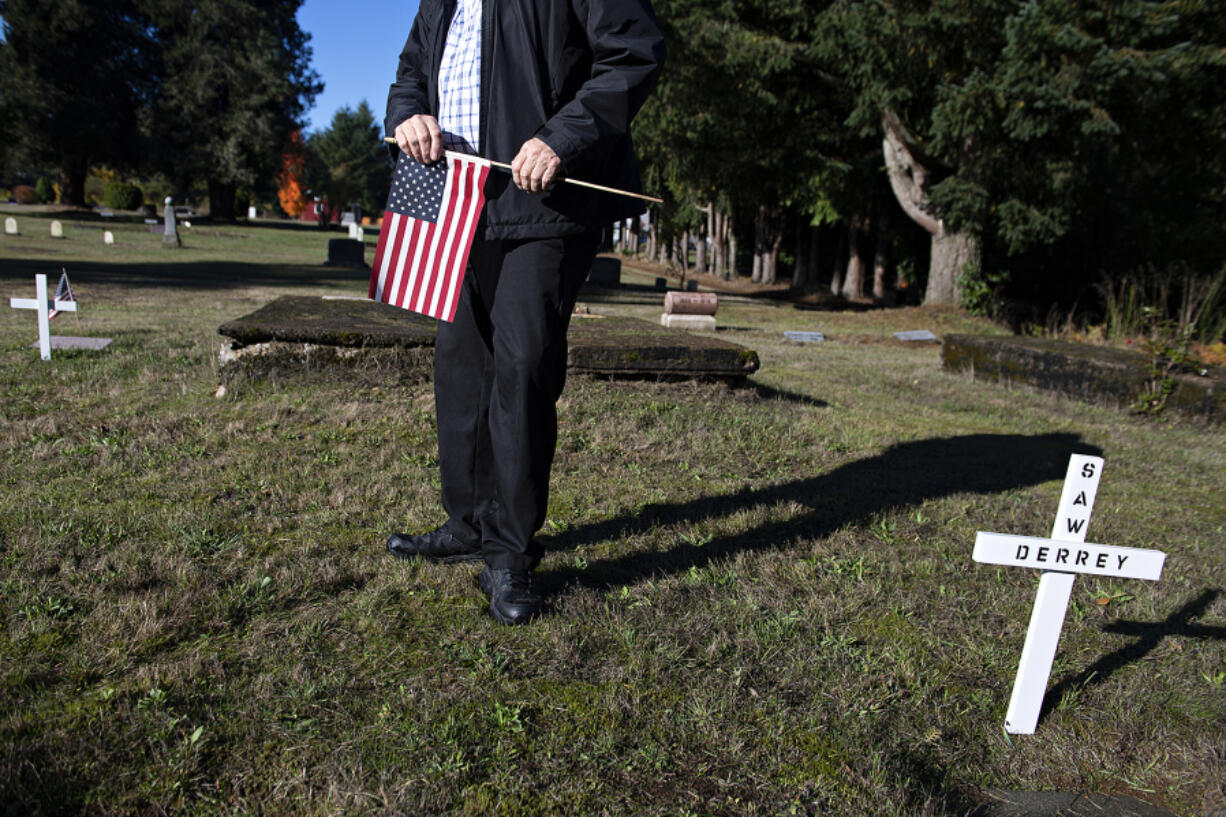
pixel 499 369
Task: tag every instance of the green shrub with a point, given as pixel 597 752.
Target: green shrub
pixel 43 189
pixel 24 194
pixel 122 196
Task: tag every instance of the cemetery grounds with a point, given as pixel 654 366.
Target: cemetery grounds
pixel 763 600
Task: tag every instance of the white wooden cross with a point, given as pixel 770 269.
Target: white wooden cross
pixel 1061 558
pixel 45 307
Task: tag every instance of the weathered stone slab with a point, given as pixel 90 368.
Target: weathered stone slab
pixel 691 303
pixel 629 346
pixel 1095 373
pixel 308 333
pixel 70 342
pixel 694 323
pixel 331 322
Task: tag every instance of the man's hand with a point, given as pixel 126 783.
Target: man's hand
pixel 534 169
pixel 420 137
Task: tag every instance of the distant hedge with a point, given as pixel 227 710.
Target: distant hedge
pixel 24 194
pixel 122 196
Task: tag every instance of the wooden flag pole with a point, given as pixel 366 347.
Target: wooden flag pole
pixel 602 188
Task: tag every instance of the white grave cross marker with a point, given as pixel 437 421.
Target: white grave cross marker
pixel 45 307
pixel 1061 558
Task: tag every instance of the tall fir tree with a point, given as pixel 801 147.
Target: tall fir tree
pixel 235 82
pixel 77 81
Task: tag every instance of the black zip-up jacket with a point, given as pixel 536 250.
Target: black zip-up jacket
pixel 572 73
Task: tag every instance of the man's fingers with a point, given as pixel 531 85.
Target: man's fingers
pixel 534 169
pixel 421 138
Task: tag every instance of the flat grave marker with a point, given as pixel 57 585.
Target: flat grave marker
pixel 1061 558
pixel 916 336
pixel 805 337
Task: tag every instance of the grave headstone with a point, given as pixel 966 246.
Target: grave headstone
pixel 108 238
pixel 700 323
pixel 691 286
pixel 347 219
pixel 57 229
pixel 170 235
pixel 10 226
pixel 605 272
pixel 1061 558
pixel 691 303
pixel 251 214
pixel 918 336
pixel 356 232
pixel 805 337
pixel 346 252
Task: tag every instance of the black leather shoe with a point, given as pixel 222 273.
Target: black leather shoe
pixel 436 546
pixel 513 596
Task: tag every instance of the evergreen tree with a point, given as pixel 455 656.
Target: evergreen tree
pixel 351 161
pixel 235 81
pixel 76 81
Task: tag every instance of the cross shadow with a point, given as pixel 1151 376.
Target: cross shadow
pixel 1149 635
pixel 903 475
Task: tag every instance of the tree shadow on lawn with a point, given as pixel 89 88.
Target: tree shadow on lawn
pixel 905 474
pixel 194 275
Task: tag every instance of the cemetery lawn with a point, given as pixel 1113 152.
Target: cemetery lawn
pixel 762 599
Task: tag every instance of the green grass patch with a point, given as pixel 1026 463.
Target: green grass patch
pixel 762 599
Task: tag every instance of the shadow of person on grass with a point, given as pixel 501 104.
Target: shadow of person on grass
pixel 903 475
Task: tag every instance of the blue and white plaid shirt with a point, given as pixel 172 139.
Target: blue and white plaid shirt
pixel 459 80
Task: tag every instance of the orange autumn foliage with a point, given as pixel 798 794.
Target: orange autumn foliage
pixel 290 191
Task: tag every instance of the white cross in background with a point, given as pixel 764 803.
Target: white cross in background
pixel 45 307
pixel 1061 558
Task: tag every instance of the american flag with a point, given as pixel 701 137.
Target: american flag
pixel 63 294
pixel 427 232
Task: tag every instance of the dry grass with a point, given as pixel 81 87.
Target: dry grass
pixel 762 599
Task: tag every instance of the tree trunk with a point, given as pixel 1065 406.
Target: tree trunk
pixel 717 245
pixel 700 252
pixel 221 201
pixel 72 185
pixel 683 252
pixel 730 270
pixel 778 245
pixel 836 276
pixel 951 251
pixel 801 268
pixel 882 292
pixel 853 281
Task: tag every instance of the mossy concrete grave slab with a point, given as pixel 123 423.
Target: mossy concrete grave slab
pixel 298 333
pixel 1094 373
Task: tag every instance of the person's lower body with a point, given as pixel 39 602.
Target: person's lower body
pixel 499 369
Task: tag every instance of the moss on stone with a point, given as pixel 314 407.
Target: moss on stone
pixel 1094 373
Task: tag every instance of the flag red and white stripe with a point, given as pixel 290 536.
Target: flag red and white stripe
pixel 428 228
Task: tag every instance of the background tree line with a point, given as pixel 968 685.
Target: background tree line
pixel 205 93
pixel 1023 152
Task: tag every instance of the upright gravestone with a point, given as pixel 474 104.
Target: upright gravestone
pixel 170 236
pixel 252 214
pixel 108 238
pixel 10 226
pixel 57 230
